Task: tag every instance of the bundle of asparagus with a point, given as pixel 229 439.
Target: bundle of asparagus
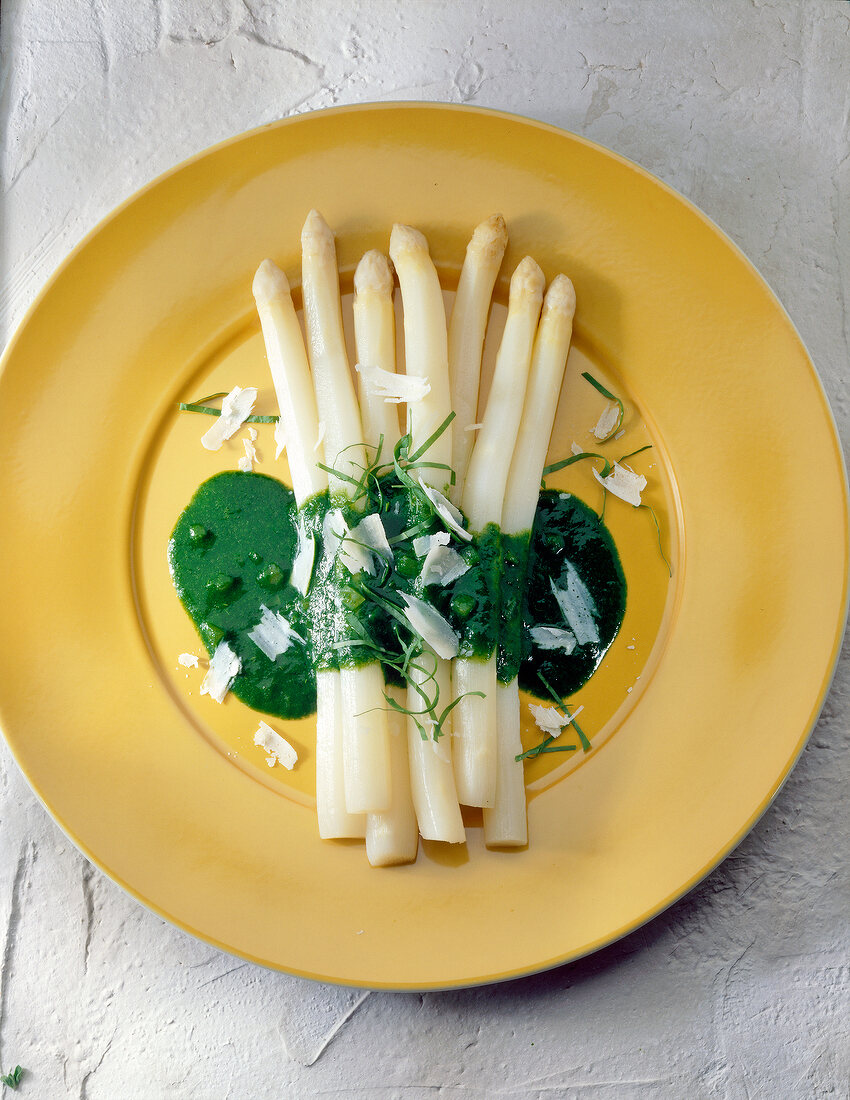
pixel 373 778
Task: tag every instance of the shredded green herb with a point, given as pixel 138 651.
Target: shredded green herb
pixel 651 511
pixel 556 466
pixel 201 407
pixel 546 744
pixel 12 1079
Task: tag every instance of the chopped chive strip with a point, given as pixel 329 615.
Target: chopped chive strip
pixel 631 454
pixel 192 407
pixel 658 532
pixel 611 397
pixel 556 466
pixel 339 474
pixel 545 746
pixel 564 710
pixel 420 451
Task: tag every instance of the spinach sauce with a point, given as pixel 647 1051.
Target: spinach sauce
pixel 232 550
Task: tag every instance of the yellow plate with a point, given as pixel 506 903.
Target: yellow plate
pixel 165 792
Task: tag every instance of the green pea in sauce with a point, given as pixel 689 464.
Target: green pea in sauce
pixel 232 550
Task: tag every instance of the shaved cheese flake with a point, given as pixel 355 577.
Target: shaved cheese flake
pixel 278 748
pixel 551 720
pixel 273 633
pixel 442 565
pixel 606 422
pixel 370 531
pixel 473 427
pixel 235 409
pixel 451 516
pixel 252 434
pixel 574 447
pixel 246 464
pixel 279 438
pixel 430 625
pixel 623 483
pixel 302 565
pixel 425 543
pixel 395 389
pixel 223 670
pixel 189 660
pixel 553 637
pixel 338 542
pixel 577 606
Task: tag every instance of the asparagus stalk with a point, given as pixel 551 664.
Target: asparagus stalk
pixel 476 720
pixel 392 836
pixel 374 334
pixel 297 405
pixel 366 750
pixel 426 356
pixel 505 824
pixel 467 329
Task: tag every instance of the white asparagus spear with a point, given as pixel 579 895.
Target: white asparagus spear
pixel 476 719
pixel 426 352
pixel 366 750
pixel 467 329
pixel 426 356
pixel 297 405
pixel 374 334
pixel 293 385
pixel 505 824
pixel 392 836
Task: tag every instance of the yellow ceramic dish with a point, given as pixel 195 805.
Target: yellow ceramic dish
pixel 731 660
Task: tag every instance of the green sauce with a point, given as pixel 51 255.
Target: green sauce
pixel 568 533
pixel 232 551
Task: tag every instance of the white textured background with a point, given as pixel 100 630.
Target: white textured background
pixel 740 990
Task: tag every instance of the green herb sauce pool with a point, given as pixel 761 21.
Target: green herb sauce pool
pixel 232 550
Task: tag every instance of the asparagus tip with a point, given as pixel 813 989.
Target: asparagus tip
pixel 269 282
pixel 316 234
pixel 528 279
pixel 373 273
pixel 561 296
pixel 404 238
pixel 490 237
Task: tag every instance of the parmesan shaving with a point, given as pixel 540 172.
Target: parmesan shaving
pixel 273 633
pixel 551 720
pixel 442 565
pixel 425 543
pixel 338 542
pixel 223 670
pixel 370 531
pixel 577 606
pixel 278 748
pixel 553 637
pixel 252 434
pixel 246 464
pixel 395 389
pixel 302 565
pixel 430 625
pixel 606 422
pixel 623 483
pixel 189 660
pixel 473 427
pixel 452 517
pixel 574 447
pixel 235 409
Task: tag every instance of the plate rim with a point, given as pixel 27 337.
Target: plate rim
pixel 837 642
